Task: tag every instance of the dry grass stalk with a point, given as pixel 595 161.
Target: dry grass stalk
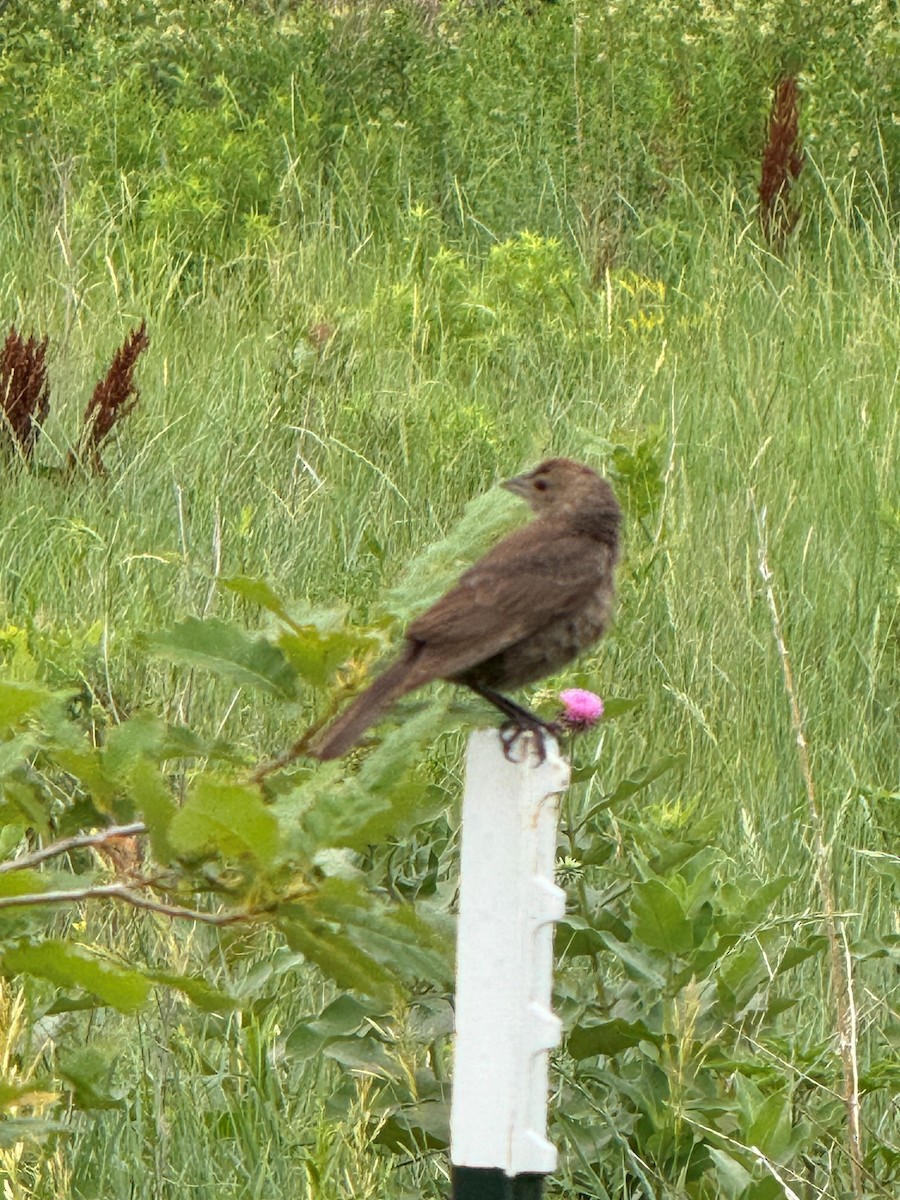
pixel 841 965
pixel 24 399
pixel 114 398
pixel 782 162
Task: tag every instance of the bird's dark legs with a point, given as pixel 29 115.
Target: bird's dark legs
pixel 518 721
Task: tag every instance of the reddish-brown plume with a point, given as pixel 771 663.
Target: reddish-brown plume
pixel 24 400
pixel 782 162
pixel 114 398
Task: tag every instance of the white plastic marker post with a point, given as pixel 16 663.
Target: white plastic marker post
pixel 505 1027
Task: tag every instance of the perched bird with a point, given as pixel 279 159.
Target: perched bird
pixel 536 600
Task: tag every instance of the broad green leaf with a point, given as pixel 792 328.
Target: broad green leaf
pixel 732 1179
pixel 303 1043
pixel 342 1017
pixel 258 591
pixel 334 953
pixel 762 899
pixel 145 738
pixel 30 1093
pixel 154 803
pixel 30 803
pixel 227 651
pixel 68 965
pixel 387 796
pixel 770 1129
pixel 227 817
pixel 659 919
pixel 18 700
pixel 316 656
pixel 576 937
pixel 363 1056
pixel 28 1129
pixel 12 830
pixel 416 1128
pixel 86 764
pixel 740 973
pixel 635 783
pixel 638 964
pixel 608 1037
pixel 24 881
pixel 794 955
pixel 89 1070
pixel 198 991
pixel 15 752
pixel 397 937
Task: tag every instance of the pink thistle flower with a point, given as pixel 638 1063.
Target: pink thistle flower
pixel 581 709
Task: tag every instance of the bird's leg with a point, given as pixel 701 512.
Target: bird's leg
pixel 519 720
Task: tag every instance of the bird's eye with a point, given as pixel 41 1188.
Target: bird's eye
pixel 541 485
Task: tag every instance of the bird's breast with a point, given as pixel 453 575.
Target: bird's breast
pixel 547 649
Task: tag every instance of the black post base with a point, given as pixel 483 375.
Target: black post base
pixel 484 1183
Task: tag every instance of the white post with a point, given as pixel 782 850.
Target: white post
pixel 508 902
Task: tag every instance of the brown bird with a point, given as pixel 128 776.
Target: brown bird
pixel 540 597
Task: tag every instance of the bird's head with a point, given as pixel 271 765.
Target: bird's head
pixel 565 487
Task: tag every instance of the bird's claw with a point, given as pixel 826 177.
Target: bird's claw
pixel 511 731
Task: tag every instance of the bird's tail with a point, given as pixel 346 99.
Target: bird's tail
pixel 346 730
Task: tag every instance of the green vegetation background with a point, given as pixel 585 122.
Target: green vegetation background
pixel 389 255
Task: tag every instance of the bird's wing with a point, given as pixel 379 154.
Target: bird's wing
pixel 534 576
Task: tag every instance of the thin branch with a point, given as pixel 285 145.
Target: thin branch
pixel 840 960
pixel 300 748
pixel 77 842
pixel 116 891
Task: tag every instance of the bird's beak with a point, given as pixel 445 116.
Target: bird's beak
pixel 520 485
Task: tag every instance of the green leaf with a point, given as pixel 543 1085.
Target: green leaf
pixel 794 955
pixel 227 651
pixel 770 1129
pixel 30 803
pixel 397 938
pixel 608 1037
pixel 227 817
pixel 68 965
pixel 762 899
pixel 387 796
pixel 258 591
pixel 30 1093
pixel 86 765
pixel 198 991
pixel 154 802
pixel 638 964
pixel 732 1178
pixel 334 953
pixel 363 1056
pixel 89 1070
pixel 416 1128
pixel 341 1018
pixel 644 777
pixel 659 919
pixel 14 1130
pixel 576 937
pixel 15 752
pixel 24 881
pixel 18 700
pixel 316 656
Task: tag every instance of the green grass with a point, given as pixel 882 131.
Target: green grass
pixel 773 386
